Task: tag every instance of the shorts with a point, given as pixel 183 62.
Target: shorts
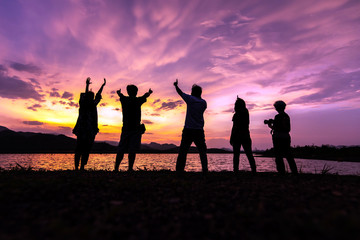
pixel 130 141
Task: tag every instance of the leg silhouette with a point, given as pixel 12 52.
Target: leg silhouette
pixel 77 160
pixel 184 148
pixel 131 157
pixel 199 140
pixel 280 165
pixel 236 157
pixel 249 155
pixel 119 158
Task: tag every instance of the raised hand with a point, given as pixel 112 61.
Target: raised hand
pixel 88 81
pixel 150 91
pixel 118 92
pixel 104 82
pixel 176 83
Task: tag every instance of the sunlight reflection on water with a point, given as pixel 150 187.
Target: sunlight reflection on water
pixel 217 162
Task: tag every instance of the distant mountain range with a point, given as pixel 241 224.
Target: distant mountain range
pixel 29 142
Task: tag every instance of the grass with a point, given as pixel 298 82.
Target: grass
pixel 163 205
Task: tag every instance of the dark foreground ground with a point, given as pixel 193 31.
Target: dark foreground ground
pixel 162 205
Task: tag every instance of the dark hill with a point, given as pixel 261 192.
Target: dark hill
pixel 29 142
pixel 3 128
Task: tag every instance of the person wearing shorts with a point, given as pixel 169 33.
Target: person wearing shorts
pixel 132 130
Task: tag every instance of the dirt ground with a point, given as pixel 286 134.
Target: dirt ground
pixel 164 205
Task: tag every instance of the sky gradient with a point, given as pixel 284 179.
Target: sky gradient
pixel 306 53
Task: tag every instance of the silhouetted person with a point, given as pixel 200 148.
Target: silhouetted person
pixel 240 135
pixel 132 129
pixel 281 138
pixel 86 126
pixel 194 127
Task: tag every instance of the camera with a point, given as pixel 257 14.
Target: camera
pixel 268 121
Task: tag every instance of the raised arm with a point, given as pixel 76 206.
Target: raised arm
pixel 178 90
pixel 87 84
pixel 98 94
pixel 119 93
pixel 102 86
pixel 147 94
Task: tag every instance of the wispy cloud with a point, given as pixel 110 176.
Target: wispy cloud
pixel 34 107
pixel 54 93
pixel 67 95
pixel 30 68
pixel 331 85
pixel 170 105
pixel 14 88
pixel 147 121
pixel 33 123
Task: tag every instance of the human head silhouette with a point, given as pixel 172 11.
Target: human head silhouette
pixel 280 106
pixel 239 105
pixel 132 90
pixel 196 91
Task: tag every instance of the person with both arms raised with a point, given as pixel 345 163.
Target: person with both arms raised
pixel 86 126
pixel 132 130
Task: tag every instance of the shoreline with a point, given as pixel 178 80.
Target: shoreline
pixel 352 160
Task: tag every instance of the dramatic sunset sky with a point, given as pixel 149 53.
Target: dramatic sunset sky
pixel 306 53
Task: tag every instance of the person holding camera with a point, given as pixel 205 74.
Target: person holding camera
pixel 280 126
pixel 132 130
pixel 240 135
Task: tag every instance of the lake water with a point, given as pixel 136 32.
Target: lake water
pixel 217 162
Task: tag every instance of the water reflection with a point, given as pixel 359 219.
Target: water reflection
pixel 217 162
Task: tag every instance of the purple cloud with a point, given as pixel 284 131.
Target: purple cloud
pixel 15 88
pixel 147 121
pixel 34 107
pixel 332 85
pixel 73 104
pixel 33 123
pixel 67 95
pixel 156 101
pixel 30 68
pixel 295 88
pixel 54 92
pixel 170 105
pixel 229 110
pixel 34 81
